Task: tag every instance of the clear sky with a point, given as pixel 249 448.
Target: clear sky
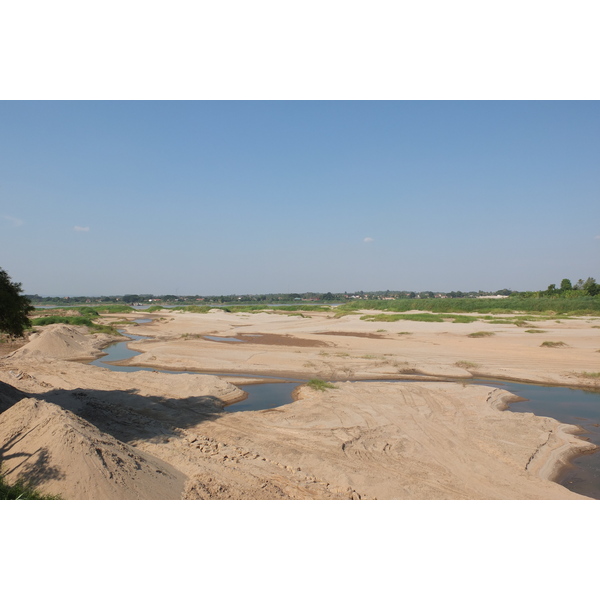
pixel 220 197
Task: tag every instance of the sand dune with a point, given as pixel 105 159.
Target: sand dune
pixel 63 454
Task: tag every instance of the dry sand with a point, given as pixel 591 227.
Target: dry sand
pixel 87 432
pixel 356 349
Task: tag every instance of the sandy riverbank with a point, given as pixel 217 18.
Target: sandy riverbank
pixel 348 348
pixel 361 440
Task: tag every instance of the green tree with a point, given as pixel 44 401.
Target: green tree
pixel 589 283
pixel 14 307
pixel 565 285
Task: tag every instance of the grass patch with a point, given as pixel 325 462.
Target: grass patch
pixel 339 313
pixel 589 305
pixel 464 319
pixel 302 307
pixel 480 334
pixel 94 327
pixel 114 308
pixel 21 491
pixel 41 321
pixel 196 309
pixel 155 308
pixel 535 331
pixel 427 317
pixel 320 385
pixel 108 329
pixel 465 364
pixel 553 345
pixel 595 375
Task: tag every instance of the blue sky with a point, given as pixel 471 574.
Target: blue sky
pixel 217 197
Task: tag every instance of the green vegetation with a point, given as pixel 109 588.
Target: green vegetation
pixel 595 375
pixel 114 308
pixel 21 491
pixel 14 307
pixel 244 308
pixel 553 345
pixel 154 308
pixel 463 318
pixel 428 317
pixel 465 364
pixel 479 334
pixel 578 305
pixel 94 327
pixel 196 309
pixel 41 321
pixel 535 331
pixel 309 307
pixel 320 385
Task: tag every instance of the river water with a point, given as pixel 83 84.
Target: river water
pixel 567 405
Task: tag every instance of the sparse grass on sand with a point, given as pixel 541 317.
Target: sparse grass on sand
pixel 320 385
pixel 595 375
pixel 553 345
pixel 535 331
pixel 21 491
pixel 589 305
pixel 94 327
pixel 479 334
pixel 465 364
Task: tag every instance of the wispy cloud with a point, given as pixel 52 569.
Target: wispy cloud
pixel 80 228
pixel 13 220
pixel 368 240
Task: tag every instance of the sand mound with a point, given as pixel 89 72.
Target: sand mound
pixel 67 342
pixel 60 453
pixel 9 396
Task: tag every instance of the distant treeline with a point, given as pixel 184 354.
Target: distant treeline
pixel 582 289
pixel 248 299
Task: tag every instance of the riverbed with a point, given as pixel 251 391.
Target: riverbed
pixel 567 405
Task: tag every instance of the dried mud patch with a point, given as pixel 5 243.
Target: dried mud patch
pixel 373 336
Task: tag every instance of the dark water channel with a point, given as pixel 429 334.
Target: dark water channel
pixel 567 405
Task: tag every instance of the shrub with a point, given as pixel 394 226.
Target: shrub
pixel 21 490
pixel 115 308
pixel 553 345
pixel 465 364
pixel 320 385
